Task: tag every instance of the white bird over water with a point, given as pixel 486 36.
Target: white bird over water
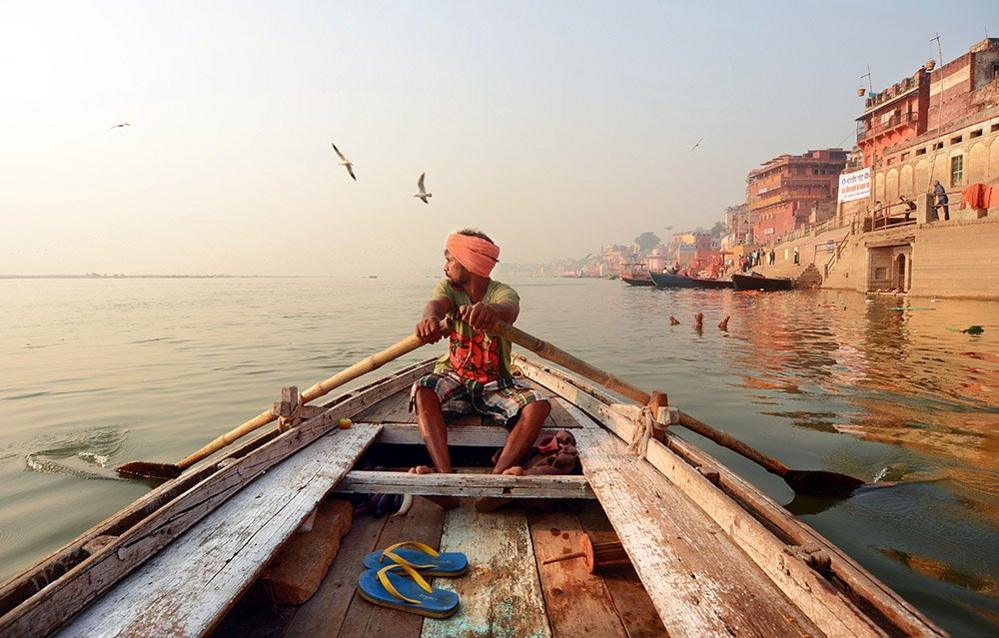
pixel 423 194
pixel 123 124
pixel 349 165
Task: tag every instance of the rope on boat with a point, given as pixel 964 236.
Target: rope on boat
pixel 644 426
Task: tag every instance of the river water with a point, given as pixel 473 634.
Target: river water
pixel 97 372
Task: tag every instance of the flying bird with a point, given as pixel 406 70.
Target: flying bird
pixel 346 163
pixel 423 194
pixel 123 124
pixel 696 145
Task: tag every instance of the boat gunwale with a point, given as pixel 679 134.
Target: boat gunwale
pixel 872 598
pixel 26 590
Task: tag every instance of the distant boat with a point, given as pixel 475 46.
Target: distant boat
pixel 636 275
pixel 759 282
pixel 665 280
pixel 372 276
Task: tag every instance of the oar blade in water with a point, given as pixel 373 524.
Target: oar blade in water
pixel 142 469
pixel 821 483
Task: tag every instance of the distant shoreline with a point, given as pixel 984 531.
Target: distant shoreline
pixel 91 276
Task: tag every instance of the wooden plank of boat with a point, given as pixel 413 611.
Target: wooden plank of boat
pixel 635 608
pixel 424 523
pixel 839 591
pixel 464 485
pixel 45 595
pixel 577 601
pixel 699 581
pixel 324 613
pixel 500 594
pixel 186 588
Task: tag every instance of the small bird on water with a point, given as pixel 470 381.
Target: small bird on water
pixel 346 163
pixel 673 321
pixel 699 321
pixel 122 125
pixel 724 324
pixel 423 194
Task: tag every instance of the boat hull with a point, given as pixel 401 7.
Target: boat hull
pixel 637 281
pixel 664 280
pixel 749 282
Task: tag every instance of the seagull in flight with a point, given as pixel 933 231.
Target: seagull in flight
pixel 696 145
pixel 423 194
pixel 122 125
pixel 349 165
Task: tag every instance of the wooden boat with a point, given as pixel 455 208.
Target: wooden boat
pixel 636 275
pixel 759 282
pixel 666 280
pixel 710 554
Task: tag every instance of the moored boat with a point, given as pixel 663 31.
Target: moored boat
pixel 636 275
pixel 759 282
pixel 666 280
pixel 712 554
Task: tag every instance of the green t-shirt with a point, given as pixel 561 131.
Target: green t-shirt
pixel 475 356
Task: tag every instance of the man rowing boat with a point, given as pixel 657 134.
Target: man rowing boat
pixel 474 376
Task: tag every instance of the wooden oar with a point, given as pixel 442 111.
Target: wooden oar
pixel 143 469
pixel 807 482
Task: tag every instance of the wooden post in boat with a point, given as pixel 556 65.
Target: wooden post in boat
pixel 599 550
pixel 288 409
pixel 657 402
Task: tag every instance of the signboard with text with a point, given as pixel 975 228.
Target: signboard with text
pixel 854 186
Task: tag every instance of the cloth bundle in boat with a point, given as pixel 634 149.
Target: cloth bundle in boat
pixel 395 578
pixel 554 454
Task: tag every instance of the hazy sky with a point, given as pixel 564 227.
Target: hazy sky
pixel 555 126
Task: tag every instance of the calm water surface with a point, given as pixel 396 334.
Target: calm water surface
pixel 94 373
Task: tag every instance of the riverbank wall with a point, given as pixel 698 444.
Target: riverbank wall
pixel 946 259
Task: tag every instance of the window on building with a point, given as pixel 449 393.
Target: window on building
pixel 938 146
pixel 920 151
pixel 905 156
pixel 956 140
pixel 956 170
pixel 975 134
pixel 995 127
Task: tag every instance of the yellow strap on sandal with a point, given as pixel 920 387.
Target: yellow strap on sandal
pixel 387 584
pixel 402 561
pixel 414 544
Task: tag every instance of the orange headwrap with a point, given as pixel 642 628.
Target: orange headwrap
pixel 477 255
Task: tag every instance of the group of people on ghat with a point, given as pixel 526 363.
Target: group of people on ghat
pixel 475 375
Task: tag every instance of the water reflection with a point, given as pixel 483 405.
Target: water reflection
pixel 820 380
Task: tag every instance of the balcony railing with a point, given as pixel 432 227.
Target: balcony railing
pixel 877 126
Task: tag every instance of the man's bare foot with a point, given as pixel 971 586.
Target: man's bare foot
pixel 516 470
pixel 447 502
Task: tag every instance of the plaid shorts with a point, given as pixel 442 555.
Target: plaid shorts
pixel 500 401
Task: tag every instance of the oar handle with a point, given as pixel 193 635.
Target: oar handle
pixel 608 380
pixel 563 358
pixel 362 367
pixel 726 440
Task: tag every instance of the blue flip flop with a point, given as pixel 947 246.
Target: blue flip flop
pixel 401 587
pixel 421 557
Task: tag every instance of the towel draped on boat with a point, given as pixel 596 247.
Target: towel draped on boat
pixel 477 255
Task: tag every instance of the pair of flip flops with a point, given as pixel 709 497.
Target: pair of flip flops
pixel 395 578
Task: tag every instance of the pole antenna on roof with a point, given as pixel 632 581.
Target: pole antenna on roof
pixel 870 84
pixel 939 71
